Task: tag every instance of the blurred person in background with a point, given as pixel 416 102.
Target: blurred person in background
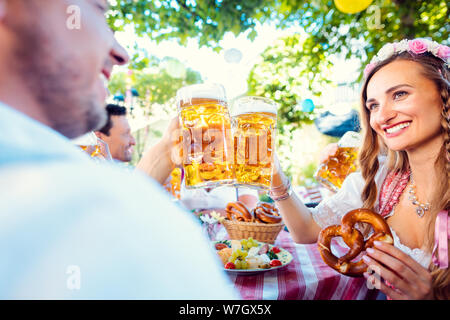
pixel 117 133
pixel 68 229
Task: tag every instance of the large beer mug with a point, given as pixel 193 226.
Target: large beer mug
pixel 332 173
pixel 254 129
pixel 206 135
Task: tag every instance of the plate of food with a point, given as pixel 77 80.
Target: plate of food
pixel 249 257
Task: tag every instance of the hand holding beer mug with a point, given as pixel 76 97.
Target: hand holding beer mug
pixel 206 135
pixel 254 123
pixel 332 173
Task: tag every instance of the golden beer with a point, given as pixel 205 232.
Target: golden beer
pixel 173 184
pixel 94 151
pixel 254 122
pixel 332 173
pixel 206 136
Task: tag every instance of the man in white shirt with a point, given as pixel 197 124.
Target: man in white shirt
pixel 71 228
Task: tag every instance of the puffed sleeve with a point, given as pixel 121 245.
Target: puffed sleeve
pixel 331 210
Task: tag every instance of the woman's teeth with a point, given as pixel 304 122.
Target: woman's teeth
pixel 398 127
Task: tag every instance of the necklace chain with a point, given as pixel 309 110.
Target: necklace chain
pixel 421 208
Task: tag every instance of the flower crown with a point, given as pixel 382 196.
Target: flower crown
pixel 416 46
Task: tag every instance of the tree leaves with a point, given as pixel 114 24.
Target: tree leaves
pixel 292 63
pixel 156 83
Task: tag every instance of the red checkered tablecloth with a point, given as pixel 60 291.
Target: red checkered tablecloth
pixel 306 277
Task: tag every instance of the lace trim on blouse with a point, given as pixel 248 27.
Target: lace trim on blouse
pixel 421 256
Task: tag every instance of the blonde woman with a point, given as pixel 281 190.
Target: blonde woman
pixel 404 174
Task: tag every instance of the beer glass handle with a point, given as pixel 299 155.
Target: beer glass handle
pixel 104 149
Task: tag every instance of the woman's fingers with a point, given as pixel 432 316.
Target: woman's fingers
pixel 327 152
pixel 385 272
pixel 400 270
pixel 412 264
pixel 379 284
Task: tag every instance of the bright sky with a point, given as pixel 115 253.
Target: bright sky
pixel 211 65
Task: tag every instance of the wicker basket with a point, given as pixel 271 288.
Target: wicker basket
pixel 262 232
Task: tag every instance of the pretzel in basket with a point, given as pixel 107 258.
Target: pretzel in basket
pixel 267 213
pixel 354 239
pixel 238 211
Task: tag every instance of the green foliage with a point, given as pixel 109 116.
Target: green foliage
pixel 157 83
pixel 292 62
pixel 207 20
pixel 306 175
pixel 287 61
pixel 358 35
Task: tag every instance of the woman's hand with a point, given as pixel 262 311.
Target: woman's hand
pixel 327 152
pixel 409 279
pixel 279 179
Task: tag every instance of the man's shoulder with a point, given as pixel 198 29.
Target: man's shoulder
pixel 72 180
pixel 122 230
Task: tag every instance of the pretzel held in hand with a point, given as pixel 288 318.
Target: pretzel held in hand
pixel 238 211
pixel 354 239
pixel 267 213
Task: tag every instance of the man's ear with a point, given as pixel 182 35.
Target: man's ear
pixel 99 134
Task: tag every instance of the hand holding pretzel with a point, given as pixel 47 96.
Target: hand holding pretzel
pixel 354 239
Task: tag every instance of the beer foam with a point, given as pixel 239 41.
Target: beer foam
pixel 350 139
pixel 252 105
pixel 254 110
pixel 201 91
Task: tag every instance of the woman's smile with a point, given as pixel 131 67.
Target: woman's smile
pixel 396 129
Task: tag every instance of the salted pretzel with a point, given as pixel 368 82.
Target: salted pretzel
pixel 354 239
pixel 237 210
pixel 267 213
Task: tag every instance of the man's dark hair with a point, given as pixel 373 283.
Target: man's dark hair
pixel 112 110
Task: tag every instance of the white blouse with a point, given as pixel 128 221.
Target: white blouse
pixel 331 210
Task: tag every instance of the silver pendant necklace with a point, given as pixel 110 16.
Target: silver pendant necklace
pixel 421 208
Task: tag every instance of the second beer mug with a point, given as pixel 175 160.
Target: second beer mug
pixel 206 129
pixel 333 172
pixel 254 122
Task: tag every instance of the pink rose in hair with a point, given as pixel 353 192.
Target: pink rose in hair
pixel 443 52
pixel 369 67
pixel 418 46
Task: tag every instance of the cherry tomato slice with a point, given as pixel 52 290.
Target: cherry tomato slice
pixel 220 246
pixel 276 250
pixel 275 263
